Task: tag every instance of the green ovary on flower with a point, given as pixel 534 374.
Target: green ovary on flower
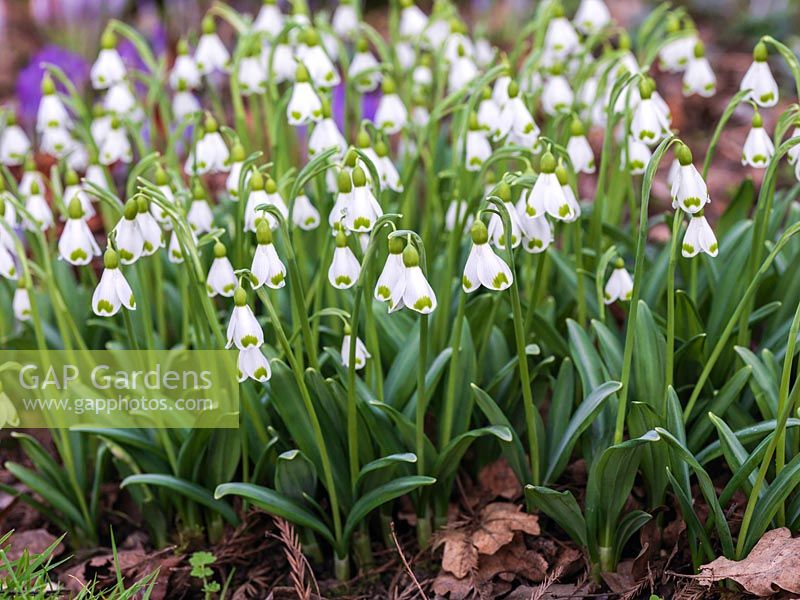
pixel 105 306
pixel 423 302
pixel 343 280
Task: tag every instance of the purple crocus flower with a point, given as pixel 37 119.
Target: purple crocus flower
pixel 30 78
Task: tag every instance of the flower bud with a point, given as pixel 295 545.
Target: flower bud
pixel 75 210
pixel 219 250
pixel 396 245
pixel 256 180
pixel 479 232
pixel 410 256
pixel 263 233
pixel 548 163
pixel 111 259
pixel 359 177
pixel 131 210
pixel 239 296
pixel 344 182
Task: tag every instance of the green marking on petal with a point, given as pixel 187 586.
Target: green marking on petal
pixel 362 222
pixel 249 340
pixel 384 292
pixel 422 303
pixel 105 306
pixel 148 247
pixel 499 280
pixel 628 295
pixel 767 97
pixel 644 134
pixel 343 280
pixel 713 247
pixel 475 161
pixel 296 114
pixel 229 288
pixel 260 373
pixel 688 248
pixel 692 201
pixel 125 255
pixel 607 296
pixel 637 164
pixel 466 282
pixel 563 210
pixel 277 278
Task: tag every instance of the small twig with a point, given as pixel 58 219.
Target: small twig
pixel 405 562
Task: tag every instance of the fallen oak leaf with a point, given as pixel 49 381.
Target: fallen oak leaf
pixel 772 565
pixel 460 556
pixel 498 523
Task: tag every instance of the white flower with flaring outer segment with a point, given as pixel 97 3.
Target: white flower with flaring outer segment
pixel 688 191
pixel 267 267
pixel 128 236
pixel 39 210
pixel 211 54
pixel 758 147
pixel 304 104
pixel 649 124
pixel 699 78
pixel 699 237
pixel 345 268
pixel 412 290
pixel 619 285
pixel 412 20
pixel 391 115
pixel 148 226
pixel 221 279
pixel 108 69
pixel 361 353
pixel 759 80
pixel 21 305
pixel 113 291
pixel 253 364
pixel 14 144
pixel 516 120
pixel 8 267
pixel 185 68
pixel 579 151
pixel 364 69
pixel 116 146
pixel 484 267
pixel 77 245
pixel 592 16
pixel 393 271
pixel 243 328
pixel 304 214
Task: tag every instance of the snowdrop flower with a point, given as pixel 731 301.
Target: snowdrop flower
pixel 128 236
pixel 267 268
pixel 557 95
pixel 699 78
pixel 547 194
pixel 184 103
pixel 484 52
pixel 119 100
pixel 39 210
pixel 412 20
pixel 419 115
pixel 9 214
pixel 237 158
pixel 484 267
pixel 496 229
pixel 148 227
pixel 185 69
pixel 390 178
pixel 794 152
pixel 489 113
pixel 116 146
pixel 270 19
pixel 319 65
pixel 406 54
pixel 620 285
pixel 77 156
pixel 72 190
pixel 8 268
pixel 210 54
pixel 304 104
pixel 14 144
pixel 361 354
pixel 108 69
pixel 364 68
pixel 51 113
pixel 572 202
pixel 30 176
pixel 243 328
pixel 175 250
pixel 95 174
pixel 345 19
pixel 675 55
pixel 516 120
pixel 560 39
pixel 304 214
pixel 8 412
pixel 345 268
pixel 363 210
pixel 758 147
pixel 455 213
pixel 262 192
pixel 200 217
pixel 462 71
pixel 391 114
pixel 280 62
pixel 77 245
pixel 500 93
pixel 649 125
pixel 113 291
pixel 326 135
pixel 457 42
pixel 252 73
pixel 21 305
pixel 578 148
pixel 211 155
pixel 478 149
pixel 221 280
pixel 759 80
pixel 638 155
pixel 592 16
pixel 161 180
pixel 688 190
pixel 422 75
pixel 412 289
pixel 254 365
pixel 699 237
pixel 537 232
pixel 393 271
pixel 56 141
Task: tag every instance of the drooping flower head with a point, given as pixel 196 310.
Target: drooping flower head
pixel 77 245
pixel 113 291
pixel 758 147
pixel 619 285
pixel 267 267
pixel 484 267
pixel 759 80
pixel 221 278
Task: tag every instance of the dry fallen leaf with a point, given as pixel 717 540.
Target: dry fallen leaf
pixel 498 522
pixel 35 541
pixel 772 565
pixel 460 555
pixel 499 479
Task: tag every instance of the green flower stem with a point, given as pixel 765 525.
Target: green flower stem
pixel 760 223
pixel 144 304
pixel 777 441
pixel 126 317
pixel 532 418
pixel 352 406
pixel 638 276
pixel 423 525
pixel 673 259
pixel 577 237
pixel 161 313
pixel 540 265
pixel 732 322
pixel 312 413
pixel 183 284
pixel 449 409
